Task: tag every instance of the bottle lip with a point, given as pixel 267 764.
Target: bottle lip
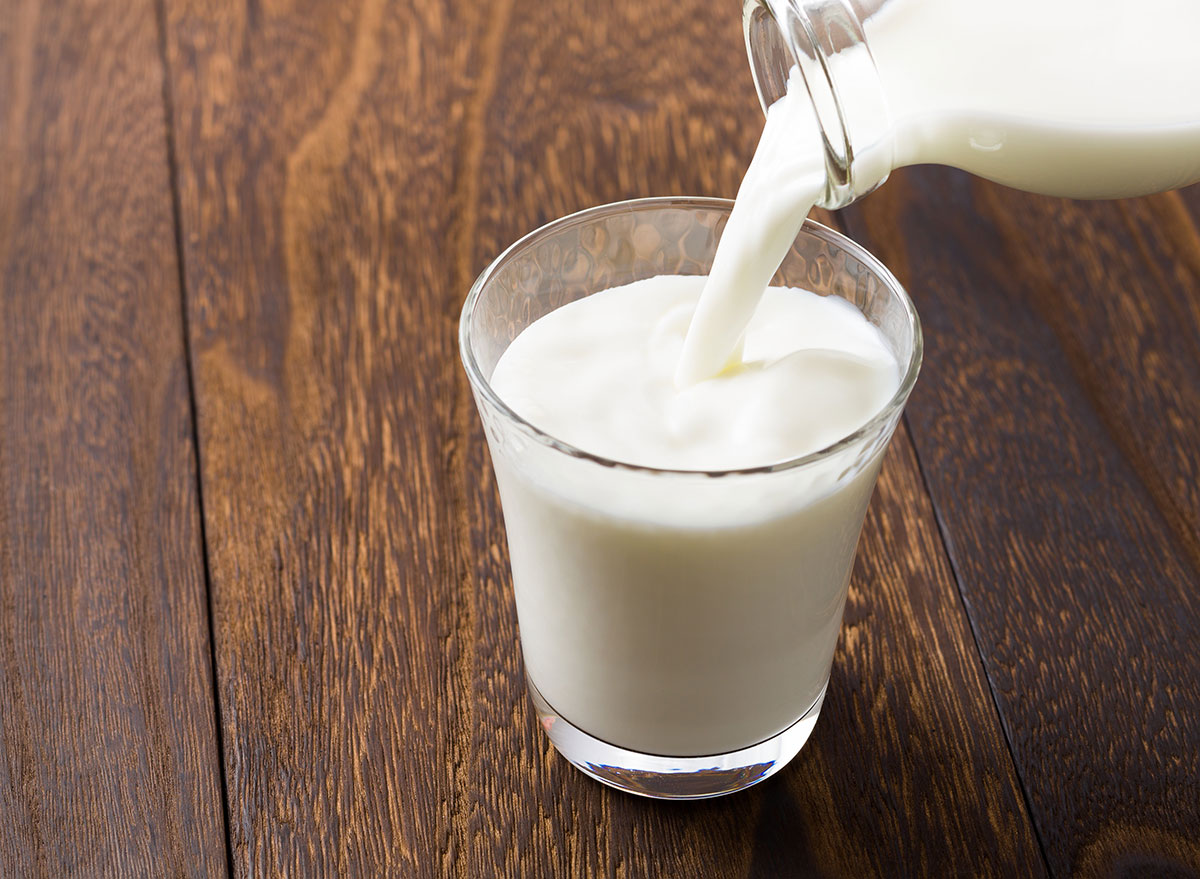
pixel 825 41
pixel 770 56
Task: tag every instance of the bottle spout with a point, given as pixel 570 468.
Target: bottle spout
pixel 824 40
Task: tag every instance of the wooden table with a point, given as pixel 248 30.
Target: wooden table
pixel 255 610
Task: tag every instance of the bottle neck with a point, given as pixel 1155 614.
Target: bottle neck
pixel 825 40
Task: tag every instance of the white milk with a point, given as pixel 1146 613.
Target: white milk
pixel 684 614
pixel 781 186
pixel 1079 98
pixel 597 374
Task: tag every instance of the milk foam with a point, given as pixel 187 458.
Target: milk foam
pixel 598 374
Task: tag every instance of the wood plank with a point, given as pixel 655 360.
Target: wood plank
pixel 1055 423
pixel 108 759
pixel 345 170
pixel 1117 283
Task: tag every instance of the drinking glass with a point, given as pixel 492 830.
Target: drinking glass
pixel 678 627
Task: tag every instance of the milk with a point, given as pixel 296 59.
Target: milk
pixel 780 187
pixel 1078 98
pixel 598 374
pixel 680 636
pixel 678 613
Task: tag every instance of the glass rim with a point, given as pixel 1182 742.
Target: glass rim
pixel 483 386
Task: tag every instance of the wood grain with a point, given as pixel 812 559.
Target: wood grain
pixel 1055 423
pixel 108 761
pixel 344 171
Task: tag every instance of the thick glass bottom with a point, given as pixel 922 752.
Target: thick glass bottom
pixel 674 778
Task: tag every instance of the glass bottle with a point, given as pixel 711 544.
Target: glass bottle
pixel 1077 98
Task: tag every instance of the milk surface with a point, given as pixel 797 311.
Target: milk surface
pixel 598 374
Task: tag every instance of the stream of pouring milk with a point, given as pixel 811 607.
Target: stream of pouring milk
pixel 783 182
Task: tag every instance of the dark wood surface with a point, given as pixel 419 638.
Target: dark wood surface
pixel 234 241
pixel 108 757
pixel 1052 423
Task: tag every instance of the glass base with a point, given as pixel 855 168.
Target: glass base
pixel 674 778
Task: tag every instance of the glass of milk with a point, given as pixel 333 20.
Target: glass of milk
pixel 678 627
